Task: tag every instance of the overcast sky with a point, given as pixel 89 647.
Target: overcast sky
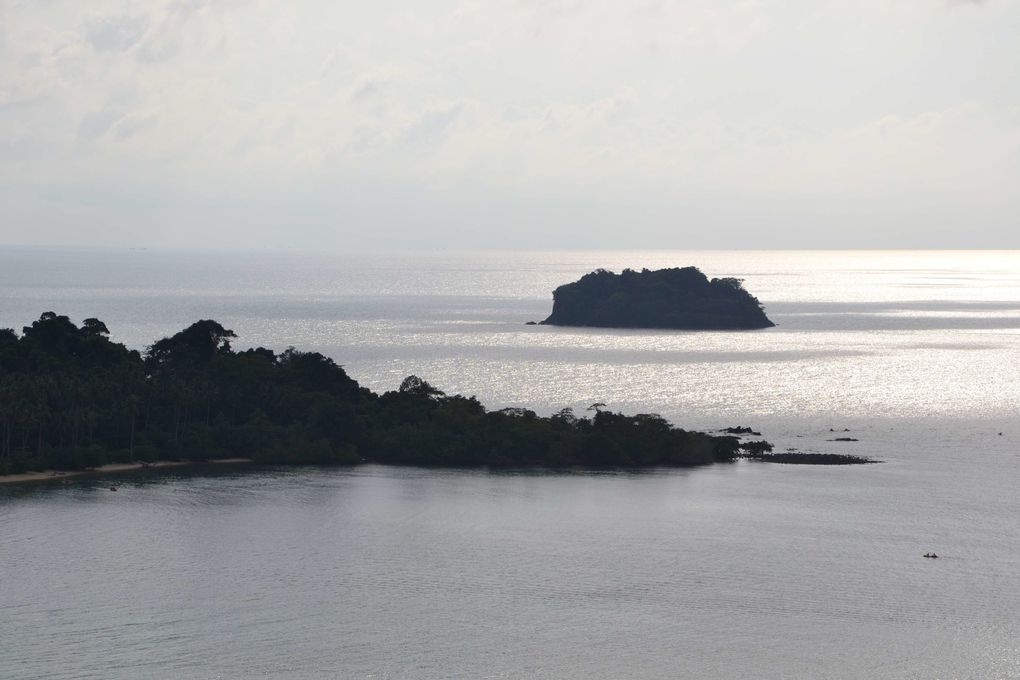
pixel 330 124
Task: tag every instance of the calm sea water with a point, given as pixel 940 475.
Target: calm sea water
pixel 745 570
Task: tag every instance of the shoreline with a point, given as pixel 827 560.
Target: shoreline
pixel 52 475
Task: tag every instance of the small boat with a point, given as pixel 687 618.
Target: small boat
pixel 113 488
pixel 932 556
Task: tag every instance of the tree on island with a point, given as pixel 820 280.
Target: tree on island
pixel 679 298
pixel 71 398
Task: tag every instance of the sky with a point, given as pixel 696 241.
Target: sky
pixel 510 124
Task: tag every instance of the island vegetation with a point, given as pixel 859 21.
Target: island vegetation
pixel 807 458
pixel 761 450
pixel 70 398
pixel 678 298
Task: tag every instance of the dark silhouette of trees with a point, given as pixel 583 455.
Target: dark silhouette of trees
pixel 71 398
pixel 679 298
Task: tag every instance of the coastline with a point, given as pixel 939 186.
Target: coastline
pixel 51 475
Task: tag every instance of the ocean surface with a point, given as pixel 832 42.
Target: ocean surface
pixel 744 570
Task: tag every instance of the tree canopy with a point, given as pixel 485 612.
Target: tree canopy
pixel 72 398
pixel 678 298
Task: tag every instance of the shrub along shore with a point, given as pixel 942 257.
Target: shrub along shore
pixel 72 399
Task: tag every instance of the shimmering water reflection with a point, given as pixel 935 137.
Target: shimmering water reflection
pixel 731 571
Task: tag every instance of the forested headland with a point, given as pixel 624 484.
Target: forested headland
pixel 678 298
pixel 70 398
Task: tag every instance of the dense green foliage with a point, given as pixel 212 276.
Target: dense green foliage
pixel 682 299
pixel 71 398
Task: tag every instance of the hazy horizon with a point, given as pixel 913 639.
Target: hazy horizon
pixel 525 125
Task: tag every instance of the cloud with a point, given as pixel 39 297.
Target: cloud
pixel 116 33
pixel 729 113
pixel 97 123
pixel 431 127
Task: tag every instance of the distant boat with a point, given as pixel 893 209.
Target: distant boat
pixel 931 556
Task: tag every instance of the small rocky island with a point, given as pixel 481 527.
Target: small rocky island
pixel 677 298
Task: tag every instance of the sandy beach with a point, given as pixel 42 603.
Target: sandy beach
pixel 49 475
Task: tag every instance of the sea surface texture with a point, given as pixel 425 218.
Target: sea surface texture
pixel 745 570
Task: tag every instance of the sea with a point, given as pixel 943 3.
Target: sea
pixel 742 570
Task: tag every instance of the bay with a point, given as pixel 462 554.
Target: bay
pixel 743 570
